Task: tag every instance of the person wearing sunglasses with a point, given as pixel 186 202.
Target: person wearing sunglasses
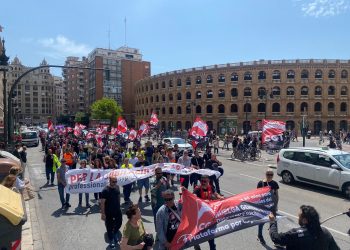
pixel 110 210
pixel 168 219
pixel 268 181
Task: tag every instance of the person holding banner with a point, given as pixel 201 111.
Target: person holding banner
pixel 61 183
pixel 214 164
pixel 82 166
pixel 128 187
pixel 143 182
pixel 186 161
pixel 110 210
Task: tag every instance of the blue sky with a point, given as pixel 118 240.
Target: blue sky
pixel 178 34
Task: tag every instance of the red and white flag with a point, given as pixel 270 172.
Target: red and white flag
pixel 122 127
pixel 154 119
pixel 99 140
pixel 90 135
pixel 132 134
pixel 144 128
pixel 81 126
pixel 50 125
pixel 272 130
pixel 199 128
pixel 69 129
pixel 114 131
pixel 77 130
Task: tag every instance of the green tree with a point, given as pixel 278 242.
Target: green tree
pixel 106 108
pixel 81 117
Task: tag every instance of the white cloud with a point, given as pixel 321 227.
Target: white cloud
pixel 61 47
pixel 323 8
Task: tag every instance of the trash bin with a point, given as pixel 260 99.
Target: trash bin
pixel 12 217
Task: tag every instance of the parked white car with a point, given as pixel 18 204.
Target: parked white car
pixel 30 138
pixel 323 167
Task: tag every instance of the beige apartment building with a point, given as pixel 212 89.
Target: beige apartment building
pixel 60 103
pixel 238 96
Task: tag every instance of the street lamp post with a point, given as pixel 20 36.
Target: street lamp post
pixel 4 68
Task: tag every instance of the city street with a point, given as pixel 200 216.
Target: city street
pixel 81 228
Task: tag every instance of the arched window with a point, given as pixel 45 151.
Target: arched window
pixel 178 125
pixel 163 98
pixel 318 74
pixel 151 86
pixel 178 82
pixel 234 92
pixel 304 90
pixel 171 111
pixel 171 84
pixel 261 107
pixel 221 93
pixel 343 125
pixel 198 95
pixel 303 107
pixel 290 107
pixel 331 74
pixel 163 111
pixel 304 74
pixel 331 90
pixel 163 84
pixel 276 75
pixel 198 109
pixel 331 107
pixel 343 107
pixel 151 99
pixel 344 90
pixel 276 107
pixel 234 108
pixel 188 109
pixel 146 88
pixel 290 74
pixel 318 90
pixel 247 108
pixel 188 95
pixel 248 76
pixel 234 77
pixel 171 97
pixel 209 109
pixel 318 107
pixel 179 110
pixel 276 91
pixel 188 81
pixel 290 90
pixel 157 85
pixel 179 96
pixel 209 94
pixel 261 75
pixel 221 78
pixel 157 98
pixel 146 100
pixel 188 125
pixel 247 91
pixel 209 79
pixel 344 74
pixel 221 108
pixel 198 80
pixel 261 92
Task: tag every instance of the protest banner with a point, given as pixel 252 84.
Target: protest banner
pixel 204 220
pixel 272 134
pixel 90 180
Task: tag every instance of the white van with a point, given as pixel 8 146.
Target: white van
pixel 30 138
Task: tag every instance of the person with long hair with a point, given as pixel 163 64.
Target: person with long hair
pixel 309 236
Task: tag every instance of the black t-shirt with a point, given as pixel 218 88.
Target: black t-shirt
pixel 112 197
pixel 141 164
pixel 49 161
pixel 197 161
pixel 173 224
pixel 273 184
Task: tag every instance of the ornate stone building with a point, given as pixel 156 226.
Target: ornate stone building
pixel 240 95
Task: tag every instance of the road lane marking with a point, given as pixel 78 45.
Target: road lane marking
pixel 249 176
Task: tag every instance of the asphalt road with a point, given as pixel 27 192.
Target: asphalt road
pixel 81 228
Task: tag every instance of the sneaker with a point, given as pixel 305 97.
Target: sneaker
pixel 261 240
pixel 140 199
pixel 112 244
pixel 68 205
pixel 147 198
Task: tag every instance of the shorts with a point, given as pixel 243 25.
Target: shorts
pixel 143 183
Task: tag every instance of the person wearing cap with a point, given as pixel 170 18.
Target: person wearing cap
pixel 61 183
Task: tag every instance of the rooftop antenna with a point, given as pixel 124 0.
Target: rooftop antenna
pixel 109 36
pixel 125 32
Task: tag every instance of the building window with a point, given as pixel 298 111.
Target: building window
pixel 163 85
pixel 157 98
pixel 209 109
pixel 247 108
pixel 343 107
pixel 344 74
pixel 188 95
pixel 234 77
pixel 151 99
pixel 276 91
pixel 178 125
pixel 157 85
pixel 331 107
pixel 331 90
pixel 198 95
pixel 304 90
pixel 151 86
pixel 221 93
pixel 276 107
pixel 344 91
pixel 247 91
pixel 234 108
pixel 221 109
pixel 318 107
pixel 290 74
pixel 221 78
pixel 318 74
pixel 146 88
pixel 261 107
pixel 163 110
pixel 209 79
pixel 171 110
pixel 318 90
pixel 163 98
pixel 198 109
pixel 290 107
pixel 303 107
pixel 276 75
pixel 331 74
pixel 198 80
pixel 188 81
pixel 234 92
pixel 171 84
pixel 261 92
pixel 262 75
pixel 178 83
pixel 209 94
pixel 188 109
pixel 248 76
pixel 171 97
pixel 304 74
pixel 179 110
pixel 290 91
pixel 179 96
